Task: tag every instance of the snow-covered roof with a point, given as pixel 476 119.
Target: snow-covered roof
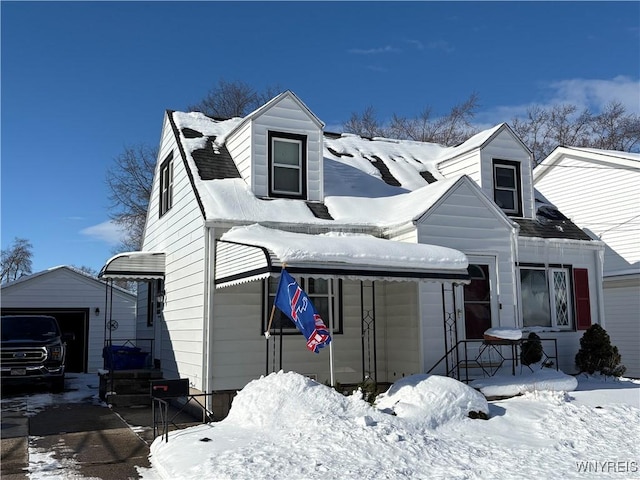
pixel 332 254
pixel 370 184
pixel 351 177
pixel 62 268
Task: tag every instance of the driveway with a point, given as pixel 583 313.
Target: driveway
pixel 73 434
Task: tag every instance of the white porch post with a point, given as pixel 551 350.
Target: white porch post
pixel 333 383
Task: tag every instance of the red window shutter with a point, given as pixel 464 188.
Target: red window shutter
pixel 583 304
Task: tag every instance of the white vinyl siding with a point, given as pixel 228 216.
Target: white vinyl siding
pixel 622 315
pixel 463 222
pixel 467 164
pixel 504 147
pixel 603 198
pixel 251 144
pixel 240 148
pixel 240 349
pixel 402 334
pixel 180 234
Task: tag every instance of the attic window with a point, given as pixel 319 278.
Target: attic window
pixel 506 187
pixel 287 165
pixel 166 185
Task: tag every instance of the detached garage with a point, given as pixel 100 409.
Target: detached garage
pixel 81 304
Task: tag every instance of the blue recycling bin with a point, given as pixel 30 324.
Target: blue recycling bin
pixel 121 357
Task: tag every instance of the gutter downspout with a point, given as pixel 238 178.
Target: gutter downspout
pixel 207 368
pixel 599 261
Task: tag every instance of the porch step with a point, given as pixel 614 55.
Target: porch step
pixel 128 400
pixel 127 387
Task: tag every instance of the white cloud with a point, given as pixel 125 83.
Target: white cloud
pixel 593 94
pixel 416 43
pixel 442 45
pixel 108 232
pixel 375 51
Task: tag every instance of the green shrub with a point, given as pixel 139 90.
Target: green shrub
pixel 531 350
pixel 596 353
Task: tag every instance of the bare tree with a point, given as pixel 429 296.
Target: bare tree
pixel 543 129
pixel 130 181
pixel 450 129
pixel 16 260
pixel 613 129
pixel 365 124
pixel 233 99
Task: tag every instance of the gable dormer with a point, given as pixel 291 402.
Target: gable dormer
pixel 501 164
pixel 278 150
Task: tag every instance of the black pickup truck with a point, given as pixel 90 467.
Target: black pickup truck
pixel 33 350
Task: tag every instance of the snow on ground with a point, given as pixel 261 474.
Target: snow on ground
pixel 504 384
pixel 286 426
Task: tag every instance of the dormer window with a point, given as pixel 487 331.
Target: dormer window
pixel 507 191
pixel 287 165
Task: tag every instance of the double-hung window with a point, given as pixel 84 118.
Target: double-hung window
pixel 546 297
pixel 287 165
pixel 321 293
pixel 166 185
pixel 506 186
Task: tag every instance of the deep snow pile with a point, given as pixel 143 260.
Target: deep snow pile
pixel 432 400
pixel 286 426
pixel 503 384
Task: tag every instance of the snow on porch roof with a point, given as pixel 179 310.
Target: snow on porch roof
pixel 134 266
pixel 255 252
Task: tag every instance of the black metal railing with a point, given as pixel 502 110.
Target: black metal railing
pixel 487 357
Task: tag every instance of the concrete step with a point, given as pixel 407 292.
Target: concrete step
pixel 127 400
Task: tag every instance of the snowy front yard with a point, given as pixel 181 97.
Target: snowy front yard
pixel 288 426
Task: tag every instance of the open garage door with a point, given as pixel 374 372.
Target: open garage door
pixel 75 321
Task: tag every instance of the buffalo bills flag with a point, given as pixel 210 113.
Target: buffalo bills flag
pixel 295 304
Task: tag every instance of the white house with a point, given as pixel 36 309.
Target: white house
pixel 78 301
pixel 411 249
pixel 600 191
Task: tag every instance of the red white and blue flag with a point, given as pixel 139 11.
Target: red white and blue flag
pixel 295 304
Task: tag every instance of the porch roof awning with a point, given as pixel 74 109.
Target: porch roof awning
pixel 134 266
pixel 255 252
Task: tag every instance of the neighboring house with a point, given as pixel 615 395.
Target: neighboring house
pixel 600 191
pixel 79 302
pixel 362 224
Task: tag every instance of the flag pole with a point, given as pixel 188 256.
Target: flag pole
pixel 273 311
pixel 333 383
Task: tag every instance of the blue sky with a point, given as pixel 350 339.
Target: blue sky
pixel 82 80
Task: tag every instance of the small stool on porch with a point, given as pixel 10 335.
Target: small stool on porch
pixel 510 337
